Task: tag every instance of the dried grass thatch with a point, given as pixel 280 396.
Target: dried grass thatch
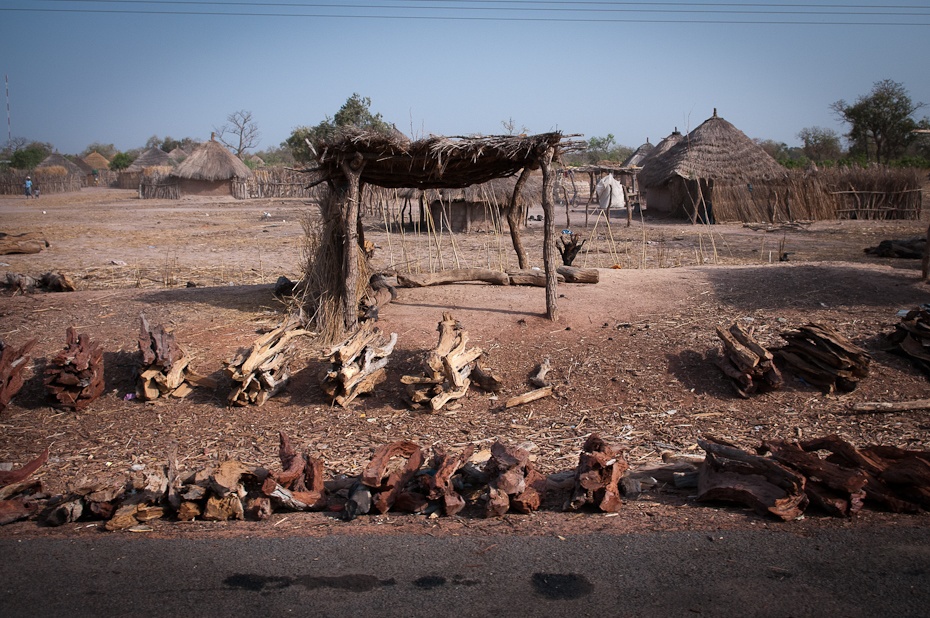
pixel 97 161
pixel 211 161
pixel 715 151
pixel 57 160
pixel 152 157
pixel 433 163
pixel 636 159
pixel 661 148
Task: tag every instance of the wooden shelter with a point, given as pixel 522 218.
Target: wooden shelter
pixel 682 179
pixel 210 170
pixel 354 157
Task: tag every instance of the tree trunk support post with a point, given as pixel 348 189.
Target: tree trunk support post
pixel 513 219
pixel 549 249
pixel 353 171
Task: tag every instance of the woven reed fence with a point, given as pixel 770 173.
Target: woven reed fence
pixel 48 180
pixel 157 184
pixel 837 193
pixel 273 182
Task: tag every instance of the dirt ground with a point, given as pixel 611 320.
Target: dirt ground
pixel 628 354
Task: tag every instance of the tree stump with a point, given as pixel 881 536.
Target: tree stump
pixel 74 378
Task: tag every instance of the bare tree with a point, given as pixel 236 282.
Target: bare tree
pixel 239 133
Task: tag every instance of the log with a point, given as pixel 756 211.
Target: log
pixel 891 406
pixel 461 275
pixel 535 278
pixel 573 274
pixel 13 364
pixel 533 395
pixel 74 378
pixel 732 475
pixel 25 243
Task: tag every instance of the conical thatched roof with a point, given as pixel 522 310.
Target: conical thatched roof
pixel 717 151
pixel 636 159
pixel 257 160
pixel 177 154
pixel 81 163
pixel 97 161
pixel 212 161
pixel 153 157
pixel 57 160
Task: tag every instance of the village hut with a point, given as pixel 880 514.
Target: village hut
pixel 86 170
pixel 97 161
pixel 210 170
pixel 56 174
pixel 57 160
pixel 686 178
pixel 257 161
pixel 635 160
pixel 131 177
pixel 177 155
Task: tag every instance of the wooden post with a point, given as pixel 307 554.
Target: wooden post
pixel 549 250
pixel 353 171
pixel 513 220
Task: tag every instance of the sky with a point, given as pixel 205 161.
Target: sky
pixel 119 72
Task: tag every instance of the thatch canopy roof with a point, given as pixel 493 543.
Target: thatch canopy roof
pixel 662 147
pixel 717 151
pixel 153 157
pixel 390 160
pixel 97 161
pixel 212 161
pixel 57 160
pixel 636 159
pixel 600 168
pixel 81 163
pixel 177 154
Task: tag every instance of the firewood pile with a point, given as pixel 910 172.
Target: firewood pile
pixel 794 476
pixel 597 477
pixel 165 366
pixel 911 338
pixel 748 365
pixel 13 363
pixel 19 495
pixel 824 358
pixel 448 368
pixel 514 483
pixel 357 365
pixel 781 479
pixel 263 370
pixel 74 378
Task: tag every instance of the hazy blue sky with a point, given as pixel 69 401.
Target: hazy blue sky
pixel 120 72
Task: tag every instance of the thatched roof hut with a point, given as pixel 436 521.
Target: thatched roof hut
pixel 636 159
pixel 57 160
pixel 210 170
pixel 177 155
pixel 153 157
pixel 97 161
pixel 682 179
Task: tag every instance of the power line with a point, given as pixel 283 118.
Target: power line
pixel 497 18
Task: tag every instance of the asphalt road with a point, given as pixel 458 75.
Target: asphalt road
pixel 860 571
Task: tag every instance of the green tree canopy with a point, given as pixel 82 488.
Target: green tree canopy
pixel 120 161
pixel 107 150
pixel 881 123
pixel 820 144
pixel 605 149
pixel 29 156
pixel 356 111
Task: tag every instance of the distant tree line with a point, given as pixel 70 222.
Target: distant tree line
pixel 881 128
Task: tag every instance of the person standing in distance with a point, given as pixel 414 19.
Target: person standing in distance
pixel 28 187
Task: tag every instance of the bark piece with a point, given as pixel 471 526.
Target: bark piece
pixel 573 274
pixel 386 477
pixel 13 364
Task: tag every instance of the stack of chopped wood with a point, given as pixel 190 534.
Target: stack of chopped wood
pixel 384 481
pixel 357 365
pixel 733 475
pixel 911 338
pixel 165 366
pixel 513 482
pixel 597 477
pixel 748 365
pixel 824 358
pixel 439 485
pixel 74 378
pixel 298 487
pixel 263 370
pixel 448 367
pixel 13 363
pixel 19 493
pixel 795 475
